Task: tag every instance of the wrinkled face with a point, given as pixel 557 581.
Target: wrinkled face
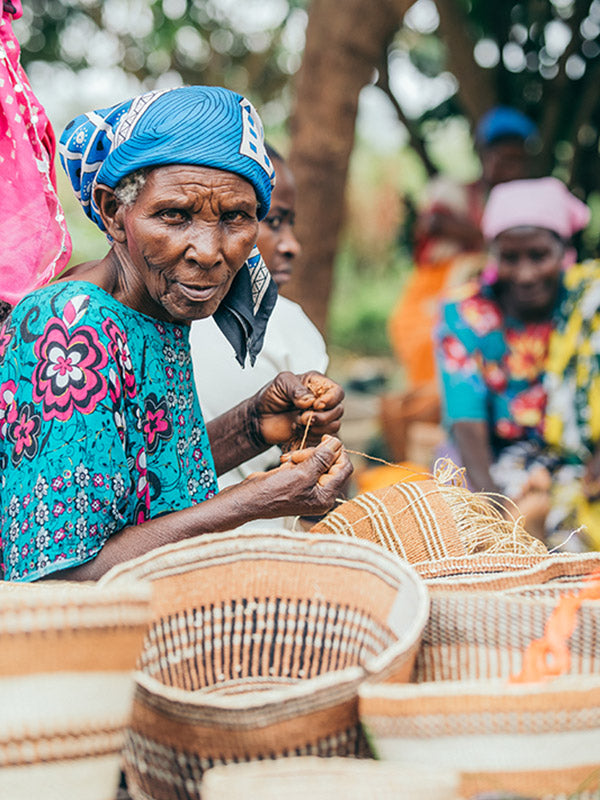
pixel 188 233
pixel 506 160
pixel 529 267
pixel 276 241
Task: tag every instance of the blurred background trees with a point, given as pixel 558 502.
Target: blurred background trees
pixel 388 94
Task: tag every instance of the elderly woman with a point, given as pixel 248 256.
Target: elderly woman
pixel 103 449
pixel 521 408
pixel 292 343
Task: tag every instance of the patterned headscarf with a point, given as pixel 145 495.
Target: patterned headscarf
pixel 204 126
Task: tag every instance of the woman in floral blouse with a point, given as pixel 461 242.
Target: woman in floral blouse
pixel 508 360
pixel 104 454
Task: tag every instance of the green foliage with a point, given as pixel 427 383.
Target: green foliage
pixel 543 57
pixel 362 303
pixel 251 47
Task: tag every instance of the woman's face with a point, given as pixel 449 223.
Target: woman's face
pixel 187 235
pixel 529 267
pixel 276 241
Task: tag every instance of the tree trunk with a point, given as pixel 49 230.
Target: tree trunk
pixel 344 45
pixel 476 90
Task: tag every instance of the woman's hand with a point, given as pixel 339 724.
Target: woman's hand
pixel 290 402
pixel 307 482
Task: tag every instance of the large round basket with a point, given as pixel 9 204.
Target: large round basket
pixel 67 654
pixel 537 740
pixel 258 644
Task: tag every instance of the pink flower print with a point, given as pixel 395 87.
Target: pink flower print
pixel 507 429
pixel 58 509
pixel 482 315
pixel 98 479
pixel 157 423
pixel 57 483
pixel 119 350
pixel 23 433
pixel 456 357
pixel 8 406
pixel 527 408
pixel 67 377
pixel 494 376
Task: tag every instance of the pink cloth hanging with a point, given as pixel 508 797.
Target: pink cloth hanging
pixel 35 241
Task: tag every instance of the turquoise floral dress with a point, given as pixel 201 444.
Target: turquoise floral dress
pixel 492 367
pixel 100 427
pixel 516 377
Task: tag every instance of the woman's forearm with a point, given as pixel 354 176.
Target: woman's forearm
pixel 229 509
pixel 235 437
pixel 473 442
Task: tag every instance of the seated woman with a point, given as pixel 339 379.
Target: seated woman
pixel 103 450
pixel 292 343
pixel 502 352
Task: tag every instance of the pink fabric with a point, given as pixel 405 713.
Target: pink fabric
pixel 35 241
pixel 540 203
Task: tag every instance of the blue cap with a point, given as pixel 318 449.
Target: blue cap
pixel 502 122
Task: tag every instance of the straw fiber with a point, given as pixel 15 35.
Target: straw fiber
pixel 532 740
pixel 429 520
pixel 67 653
pixel 327 778
pixel 257 647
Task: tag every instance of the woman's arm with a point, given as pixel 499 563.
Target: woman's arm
pixel 277 414
pixel 473 441
pixel 307 484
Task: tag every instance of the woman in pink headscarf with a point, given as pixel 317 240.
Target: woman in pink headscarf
pixel 519 361
pixel 35 241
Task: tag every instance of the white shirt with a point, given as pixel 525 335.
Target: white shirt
pixel 292 343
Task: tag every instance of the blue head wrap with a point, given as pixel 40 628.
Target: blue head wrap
pixel 202 125
pixel 502 122
pixel 206 126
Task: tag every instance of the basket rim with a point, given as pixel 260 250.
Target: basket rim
pixel 348 678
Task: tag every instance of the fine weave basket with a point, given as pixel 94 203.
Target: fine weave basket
pixel 257 647
pixel 537 740
pixel 429 520
pixel 475 635
pixel 67 655
pixel 507 571
pixel 327 778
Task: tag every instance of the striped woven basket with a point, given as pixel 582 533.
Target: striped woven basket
pixel 429 520
pixel 67 654
pixel 480 635
pixel 256 650
pixel 533 740
pixel 326 778
pixel 504 571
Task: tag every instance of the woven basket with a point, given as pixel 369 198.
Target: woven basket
pixel 325 778
pixel 481 635
pixel 506 571
pixel 67 654
pixel 256 650
pixel 534 740
pixel 430 520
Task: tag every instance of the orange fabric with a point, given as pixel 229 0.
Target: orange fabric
pixel 413 319
pixel 550 656
pixel 379 477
